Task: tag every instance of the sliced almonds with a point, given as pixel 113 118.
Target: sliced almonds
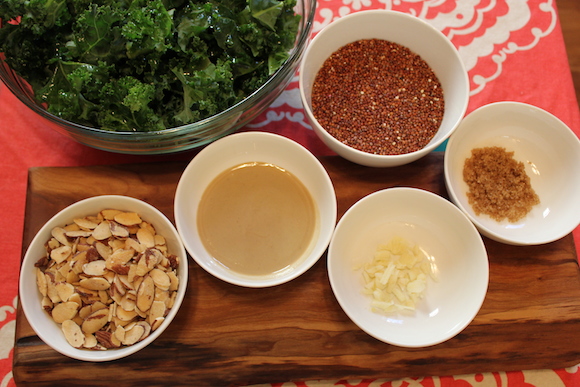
pixel 73 333
pixel 107 279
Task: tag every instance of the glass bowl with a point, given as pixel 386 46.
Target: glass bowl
pixel 184 137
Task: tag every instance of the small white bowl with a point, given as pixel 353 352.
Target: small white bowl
pixel 406 30
pixel 241 148
pixel 550 152
pixel 455 250
pixel 30 298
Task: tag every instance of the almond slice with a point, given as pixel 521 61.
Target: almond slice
pixel 41 282
pixel 171 300
pixel 128 301
pixel 95 268
pixel 118 260
pixel 149 227
pixel 78 261
pixel 95 283
pixel 109 214
pixel 161 295
pixel 145 294
pixel 73 333
pixel 95 321
pixel 119 230
pixel 160 278
pixel 64 290
pixel 58 255
pixel 146 238
pixel 131 243
pixel 126 315
pixel 157 323
pixel 146 329
pixel 75 297
pixel 160 240
pixel 103 250
pixel 97 306
pixel 128 218
pixel 117 287
pixel 51 288
pixel 157 310
pixel 120 333
pixel 58 233
pixel 102 231
pixel 47 304
pixel 90 341
pixel 174 281
pixel 133 335
pixel 64 311
pixel 79 234
pixel 107 339
pixel 86 223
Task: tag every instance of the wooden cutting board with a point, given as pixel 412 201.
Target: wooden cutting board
pixel 226 335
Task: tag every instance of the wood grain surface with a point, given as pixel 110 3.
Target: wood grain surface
pixel 226 335
pixel 568 14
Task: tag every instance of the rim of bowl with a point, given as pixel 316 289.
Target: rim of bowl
pixel 25 95
pixel 111 354
pixel 429 147
pixel 454 195
pixel 245 281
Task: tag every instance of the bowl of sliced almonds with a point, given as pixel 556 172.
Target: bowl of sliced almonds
pixel 103 278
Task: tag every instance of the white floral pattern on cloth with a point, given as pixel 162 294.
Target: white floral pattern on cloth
pixel 485 33
pixel 7 330
pixel 490 379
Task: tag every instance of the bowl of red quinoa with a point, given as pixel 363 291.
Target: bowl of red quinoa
pixel 514 170
pixel 383 88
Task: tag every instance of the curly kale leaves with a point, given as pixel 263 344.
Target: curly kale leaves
pixel 142 65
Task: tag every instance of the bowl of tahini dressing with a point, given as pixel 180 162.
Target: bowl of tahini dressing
pixel 255 209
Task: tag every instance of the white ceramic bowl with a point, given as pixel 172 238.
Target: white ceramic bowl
pixel 550 152
pixel 456 252
pixel 30 298
pixel 406 30
pixel 245 147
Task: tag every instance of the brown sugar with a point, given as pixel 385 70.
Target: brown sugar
pixel 498 184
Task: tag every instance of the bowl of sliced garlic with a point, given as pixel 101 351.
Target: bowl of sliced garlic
pixel 103 278
pixel 408 267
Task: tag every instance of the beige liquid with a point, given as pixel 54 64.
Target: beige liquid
pixel 257 219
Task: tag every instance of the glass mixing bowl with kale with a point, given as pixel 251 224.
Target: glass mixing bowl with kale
pixel 187 71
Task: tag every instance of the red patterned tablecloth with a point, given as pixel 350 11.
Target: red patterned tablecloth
pixel 512 49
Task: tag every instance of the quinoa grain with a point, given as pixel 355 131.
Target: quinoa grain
pixel 378 97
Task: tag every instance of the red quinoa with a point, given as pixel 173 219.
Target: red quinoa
pixel 378 97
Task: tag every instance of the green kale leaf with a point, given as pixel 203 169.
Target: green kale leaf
pixel 142 65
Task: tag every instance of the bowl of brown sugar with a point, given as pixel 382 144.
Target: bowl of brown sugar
pixel 383 88
pixel 514 169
